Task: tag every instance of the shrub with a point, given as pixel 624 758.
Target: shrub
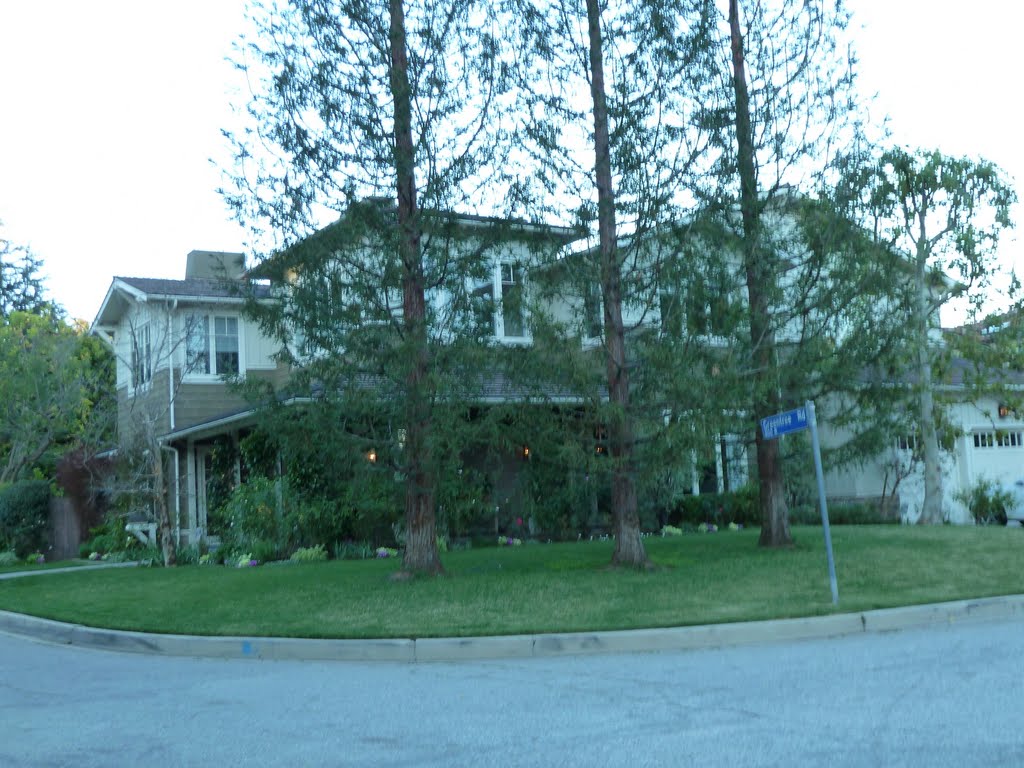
pixel 987 502
pixel 108 537
pixel 189 555
pixel 8 558
pixel 265 518
pixel 353 550
pixel 842 514
pixel 720 509
pixel 310 554
pixel 24 516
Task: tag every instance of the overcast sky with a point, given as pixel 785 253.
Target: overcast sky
pixel 111 112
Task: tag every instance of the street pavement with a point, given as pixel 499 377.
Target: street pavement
pixel 943 695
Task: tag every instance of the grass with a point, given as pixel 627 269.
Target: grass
pixel 542 588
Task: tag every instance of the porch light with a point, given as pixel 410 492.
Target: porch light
pixel 371 456
pixel 526 452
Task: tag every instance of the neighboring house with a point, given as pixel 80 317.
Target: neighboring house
pixel 175 342
pixel 984 441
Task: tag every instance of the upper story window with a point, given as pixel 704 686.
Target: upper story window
pixel 703 305
pixel 142 357
pixel 211 346
pixel 506 318
pixel 512 314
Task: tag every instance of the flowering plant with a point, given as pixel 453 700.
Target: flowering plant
pixel 508 541
pixel 707 528
pixel 95 556
pixel 35 559
pixel 207 559
pixel 386 552
pixel 671 530
pixel 734 526
pixel 247 561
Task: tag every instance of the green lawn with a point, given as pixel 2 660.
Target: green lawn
pixel 541 588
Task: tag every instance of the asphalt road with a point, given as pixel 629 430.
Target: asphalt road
pixel 947 696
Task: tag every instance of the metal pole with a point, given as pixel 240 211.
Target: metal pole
pixel 812 422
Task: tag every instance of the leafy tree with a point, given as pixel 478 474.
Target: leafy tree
pixel 21 285
pixel 784 99
pixel 615 158
pixel 51 377
pixel 946 215
pixel 359 104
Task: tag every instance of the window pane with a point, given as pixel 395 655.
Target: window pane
pixel 512 309
pixel 482 303
pixel 225 345
pixel 197 344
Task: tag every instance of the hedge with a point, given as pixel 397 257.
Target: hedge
pixel 24 516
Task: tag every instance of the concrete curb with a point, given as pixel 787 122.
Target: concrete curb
pixel 69 569
pixel 517 646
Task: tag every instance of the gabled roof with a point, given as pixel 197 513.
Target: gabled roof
pixel 194 290
pixel 191 288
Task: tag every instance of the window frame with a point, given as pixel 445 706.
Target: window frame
pixel 204 325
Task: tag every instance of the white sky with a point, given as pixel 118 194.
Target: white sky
pixel 111 110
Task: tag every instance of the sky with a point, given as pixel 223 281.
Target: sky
pixel 111 114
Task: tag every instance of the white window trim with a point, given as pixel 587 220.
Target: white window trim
pixel 212 377
pixel 499 310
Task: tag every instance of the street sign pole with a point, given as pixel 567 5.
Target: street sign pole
pixel 812 422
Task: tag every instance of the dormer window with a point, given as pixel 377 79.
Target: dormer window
pixel 212 347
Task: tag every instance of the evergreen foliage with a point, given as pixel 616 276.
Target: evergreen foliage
pixel 24 516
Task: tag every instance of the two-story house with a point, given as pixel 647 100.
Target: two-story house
pixel 176 342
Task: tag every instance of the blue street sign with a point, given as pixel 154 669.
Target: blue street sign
pixel 784 423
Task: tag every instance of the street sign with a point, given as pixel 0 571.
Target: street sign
pixel 793 421
pixel 784 423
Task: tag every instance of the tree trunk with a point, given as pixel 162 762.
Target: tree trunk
pixel 168 544
pixel 421 555
pixel 629 548
pixel 774 515
pixel 931 507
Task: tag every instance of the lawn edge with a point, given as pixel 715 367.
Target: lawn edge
pixel 441 649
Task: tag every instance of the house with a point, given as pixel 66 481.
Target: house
pixel 175 342
pixel 983 441
pixel 178 341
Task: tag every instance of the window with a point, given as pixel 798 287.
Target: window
pixel 671 315
pixel 999 439
pixel 211 346
pixel 593 317
pixel 142 357
pixel 907 442
pixel 508 319
pixel 708 305
pixel 514 323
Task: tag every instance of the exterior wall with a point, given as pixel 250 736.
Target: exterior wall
pixel 196 403
pixel 148 403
